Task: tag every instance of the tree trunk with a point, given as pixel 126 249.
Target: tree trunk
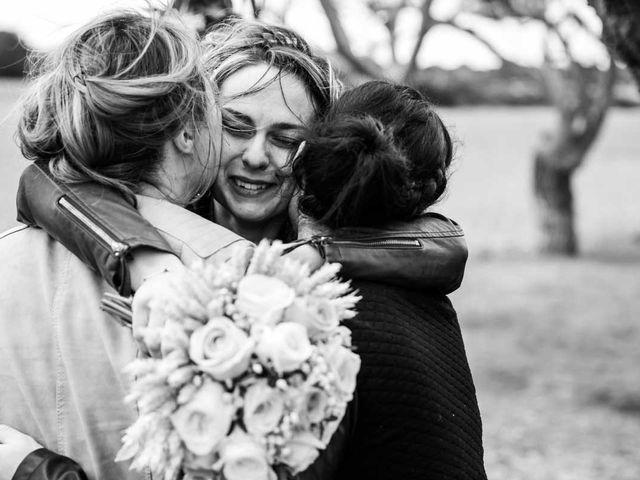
pixel 581 96
pixel 554 197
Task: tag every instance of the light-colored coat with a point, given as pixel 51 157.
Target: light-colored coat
pixel 61 358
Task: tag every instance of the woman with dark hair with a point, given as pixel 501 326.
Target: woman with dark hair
pixel 378 157
pixel 380 154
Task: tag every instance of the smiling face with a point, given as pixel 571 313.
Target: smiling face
pixel 262 129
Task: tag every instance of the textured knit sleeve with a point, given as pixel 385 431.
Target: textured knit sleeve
pixel 418 416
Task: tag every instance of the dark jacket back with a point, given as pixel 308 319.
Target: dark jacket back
pixel 415 415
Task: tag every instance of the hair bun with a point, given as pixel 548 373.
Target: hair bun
pixel 352 171
pixel 368 132
pixel 380 154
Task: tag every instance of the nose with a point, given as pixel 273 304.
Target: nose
pixel 256 155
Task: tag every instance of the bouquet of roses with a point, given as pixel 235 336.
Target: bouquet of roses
pixel 255 375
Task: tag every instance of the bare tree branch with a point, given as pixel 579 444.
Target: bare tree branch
pixel 478 37
pixel 365 66
pixel 427 23
pixel 255 8
pixel 552 29
pixel 390 21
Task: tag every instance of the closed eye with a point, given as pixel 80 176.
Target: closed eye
pixel 237 124
pixel 286 141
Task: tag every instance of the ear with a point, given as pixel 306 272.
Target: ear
pixel 184 141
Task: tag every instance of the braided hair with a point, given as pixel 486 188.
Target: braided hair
pixel 381 153
pixel 238 43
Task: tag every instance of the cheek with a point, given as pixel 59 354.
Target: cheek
pixel 281 159
pixel 231 148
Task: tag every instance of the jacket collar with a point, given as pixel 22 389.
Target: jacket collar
pixel 203 236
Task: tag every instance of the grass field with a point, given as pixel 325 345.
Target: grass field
pixel 554 344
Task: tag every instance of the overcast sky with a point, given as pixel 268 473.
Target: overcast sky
pixel 44 23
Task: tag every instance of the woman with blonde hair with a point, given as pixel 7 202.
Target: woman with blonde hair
pixel 126 103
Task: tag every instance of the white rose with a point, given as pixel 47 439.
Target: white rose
pixel 205 420
pixel 313 405
pixel 301 450
pixel 263 298
pixel 318 315
pixel 286 345
pixel 242 458
pixel 329 429
pixel 345 365
pixel 263 408
pixel 221 349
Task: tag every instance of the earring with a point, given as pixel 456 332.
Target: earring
pixel 197 196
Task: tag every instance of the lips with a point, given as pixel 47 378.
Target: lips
pixel 248 186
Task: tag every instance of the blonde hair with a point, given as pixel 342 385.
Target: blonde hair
pixel 233 45
pixel 104 104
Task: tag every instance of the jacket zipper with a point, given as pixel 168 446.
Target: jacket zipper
pixel 374 243
pixel 117 248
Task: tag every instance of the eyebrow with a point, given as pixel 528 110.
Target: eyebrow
pixel 248 120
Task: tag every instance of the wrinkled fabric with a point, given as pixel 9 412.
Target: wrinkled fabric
pixel 61 358
pixel 435 262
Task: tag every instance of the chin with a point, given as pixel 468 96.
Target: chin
pixel 252 215
pixel 259 217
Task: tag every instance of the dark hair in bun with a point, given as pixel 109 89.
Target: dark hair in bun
pixel 381 153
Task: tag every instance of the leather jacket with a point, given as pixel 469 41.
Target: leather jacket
pixel 101 227
pixel 98 224
pixel 43 464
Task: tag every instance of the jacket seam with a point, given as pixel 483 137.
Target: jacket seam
pixel 107 228
pixel 60 376
pixel 69 193
pixel 401 234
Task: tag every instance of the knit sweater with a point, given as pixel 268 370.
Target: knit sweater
pixel 415 415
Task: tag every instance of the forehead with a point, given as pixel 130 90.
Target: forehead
pixel 281 98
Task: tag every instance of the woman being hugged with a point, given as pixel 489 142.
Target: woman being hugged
pixel 126 103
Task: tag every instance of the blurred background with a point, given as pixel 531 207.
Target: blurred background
pixel 545 184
